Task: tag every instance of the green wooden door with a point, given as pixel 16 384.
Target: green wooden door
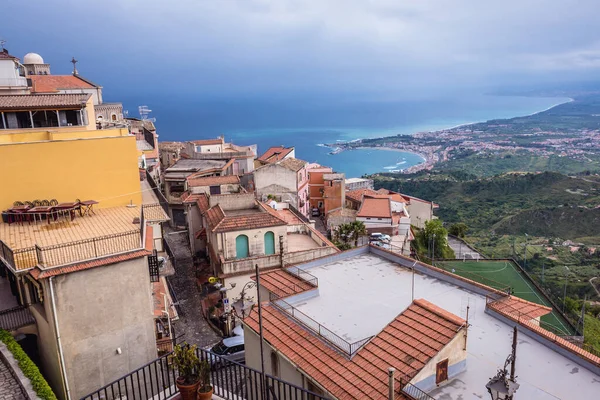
pixel 241 246
pixel 269 243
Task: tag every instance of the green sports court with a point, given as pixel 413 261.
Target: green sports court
pixel 502 274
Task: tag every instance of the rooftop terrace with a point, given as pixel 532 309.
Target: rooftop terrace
pixel 360 292
pixel 106 232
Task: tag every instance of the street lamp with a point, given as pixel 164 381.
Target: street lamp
pixel 501 386
pixel 243 305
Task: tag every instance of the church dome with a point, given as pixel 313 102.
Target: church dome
pixel 33 58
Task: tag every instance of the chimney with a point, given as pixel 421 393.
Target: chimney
pixel 391 383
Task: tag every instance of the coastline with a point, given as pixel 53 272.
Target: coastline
pixel 428 160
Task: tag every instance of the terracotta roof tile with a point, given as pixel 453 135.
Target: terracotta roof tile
pixel 283 283
pixel 5 56
pixel 42 101
pixel 375 208
pixel 274 154
pixel 408 343
pixel 207 142
pixel 293 164
pixel 54 83
pixel 202 203
pixel 248 221
pixel 38 273
pixel 527 309
pixel 214 215
pixel 213 180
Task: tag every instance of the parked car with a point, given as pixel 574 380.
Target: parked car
pixel 376 237
pixel 230 349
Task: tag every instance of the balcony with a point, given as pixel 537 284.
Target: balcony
pixel 109 231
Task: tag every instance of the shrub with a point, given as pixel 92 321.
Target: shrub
pixel 29 369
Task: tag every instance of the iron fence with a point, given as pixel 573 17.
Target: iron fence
pixel 87 249
pixel 303 275
pixel 15 318
pixel 230 380
pixel 347 348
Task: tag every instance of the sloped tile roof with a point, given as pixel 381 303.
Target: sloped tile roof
pixel 249 221
pixel 42 101
pixel 408 343
pixel 213 180
pixel 293 164
pixel 524 308
pixel 214 216
pixel 202 203
pixel 54 83
pixel 375 208
pixel 5 56
pixel 283 283
pixel 207 142
pixel 274 154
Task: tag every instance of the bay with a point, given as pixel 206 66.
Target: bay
pixel 308 123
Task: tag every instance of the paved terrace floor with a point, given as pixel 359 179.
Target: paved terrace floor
pixel 106 221
pixel 300 241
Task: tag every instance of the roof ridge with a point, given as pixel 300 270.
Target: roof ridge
pixel 511 297
pixel 447 315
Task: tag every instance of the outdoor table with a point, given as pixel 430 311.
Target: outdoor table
pixel 17 213
pixel 41 211
pixel 66 208
pixel 87 207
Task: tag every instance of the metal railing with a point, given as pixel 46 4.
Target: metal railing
pixel 230 380
pixel 162 200
pixel 347 348
pixel 87 249
pixel 414 392
pixel 15 318
pixel 304 276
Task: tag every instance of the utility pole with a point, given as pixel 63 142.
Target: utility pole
pixel 514 357
pixel 565 291
pixel 433 251
pixel 260 329
pixel 543 268
pixel 525 253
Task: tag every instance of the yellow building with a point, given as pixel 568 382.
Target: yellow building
pixel 50 149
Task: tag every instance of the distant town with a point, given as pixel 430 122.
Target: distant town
pixel 132 268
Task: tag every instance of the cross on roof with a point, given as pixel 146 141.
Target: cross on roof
pixel 74 62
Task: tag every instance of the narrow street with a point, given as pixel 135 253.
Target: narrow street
pixel 191 326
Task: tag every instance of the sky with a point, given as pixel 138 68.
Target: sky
pixel 248 48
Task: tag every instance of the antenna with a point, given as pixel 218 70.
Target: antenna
pixel 144 111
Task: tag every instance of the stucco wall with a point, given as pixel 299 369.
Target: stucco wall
pixel 194 223
pixel 102 169
pixel 241 201
pixel 99 311
pixel 256 241
pixel 420 212
pixel 225 189
pixel 453 351
pixel 274 174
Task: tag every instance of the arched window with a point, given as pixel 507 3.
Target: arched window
pixel 269 243
pixel 274 364
pixel 113 117
pixel 241 246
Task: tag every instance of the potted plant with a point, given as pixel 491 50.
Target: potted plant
pixel 205 390
pixel 188 365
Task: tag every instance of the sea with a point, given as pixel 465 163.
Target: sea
pixel 308 123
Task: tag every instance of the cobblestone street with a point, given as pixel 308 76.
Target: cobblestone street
pixel 9 387
pixel 192 325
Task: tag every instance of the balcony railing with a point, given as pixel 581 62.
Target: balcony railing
pixel 68 253
pixel 347 348
pixel 303 275
pixel 230 380
pixel 15 318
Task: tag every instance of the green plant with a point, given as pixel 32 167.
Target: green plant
pixel 29 369
pixel 187 363
pixel 204 375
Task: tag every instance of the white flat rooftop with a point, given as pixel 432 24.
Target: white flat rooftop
pixel 360 295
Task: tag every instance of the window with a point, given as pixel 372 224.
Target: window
pixel 274 364
pixel 269 243
pixel 113 117
pixel 441 372
pixel 23 119
pixel 241 246
pixel 320 204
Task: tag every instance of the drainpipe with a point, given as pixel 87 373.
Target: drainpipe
pixel 391 383
pixel 61 356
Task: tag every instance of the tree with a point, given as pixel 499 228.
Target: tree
pixel 434 238
pixel 358 229
pixel 459 229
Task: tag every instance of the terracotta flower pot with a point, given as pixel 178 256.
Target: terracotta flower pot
pixel 188 392
pixel 205 395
